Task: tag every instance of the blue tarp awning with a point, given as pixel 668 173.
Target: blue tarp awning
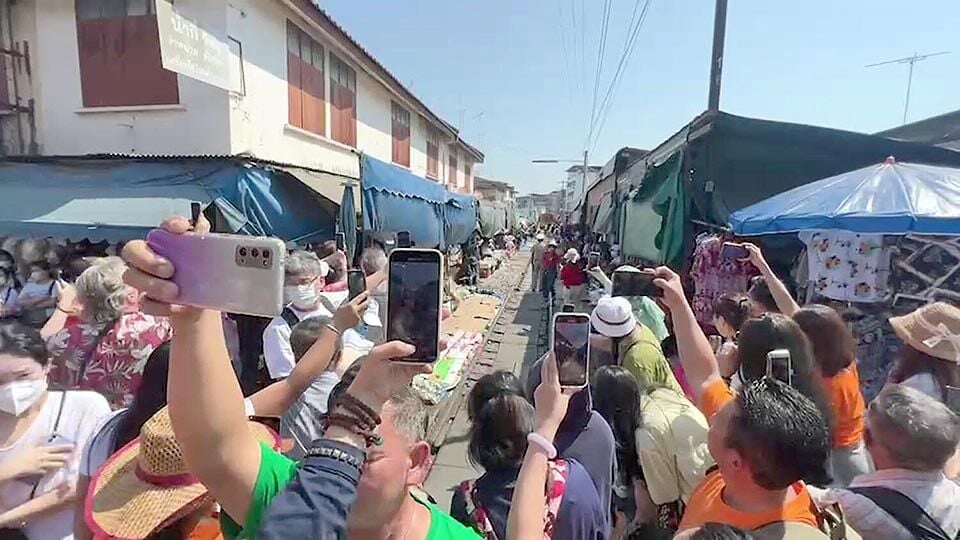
pixel 889 198
pixel 116 199
pixel 395 200
pixel 460 218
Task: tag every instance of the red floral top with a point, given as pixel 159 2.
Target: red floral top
pixel 114 357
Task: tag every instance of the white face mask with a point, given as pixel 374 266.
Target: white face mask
pixel 18 396
pixel 304 296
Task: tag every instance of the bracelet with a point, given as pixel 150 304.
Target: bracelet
pixel 543 444
pixel 334 330
pixel 354 405
pixel 353 425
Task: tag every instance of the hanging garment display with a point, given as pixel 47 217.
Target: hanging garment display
pixel 715 277
pixel 847 266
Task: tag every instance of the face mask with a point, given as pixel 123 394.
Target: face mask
pixel 301 295
pixel 18 396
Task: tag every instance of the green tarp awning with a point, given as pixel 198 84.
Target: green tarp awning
pixel 655 215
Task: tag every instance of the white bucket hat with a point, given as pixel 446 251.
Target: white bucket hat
pixel 613 317
pixel 540 236
pixel 571 255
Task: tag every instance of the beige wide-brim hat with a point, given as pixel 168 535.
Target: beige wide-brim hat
pixel 571 255
pixel 145 486
pixel 933 329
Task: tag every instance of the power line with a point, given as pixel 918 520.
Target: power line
pixel 571 88
pixel 573 33
pixel 629 47
pixel 601 48
pixel 908 60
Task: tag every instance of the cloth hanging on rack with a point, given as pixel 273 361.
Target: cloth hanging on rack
pixel 847 266
pixel 715 277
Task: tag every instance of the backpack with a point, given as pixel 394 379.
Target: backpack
pixel 833 526
pixel 909 514
pixel 556 486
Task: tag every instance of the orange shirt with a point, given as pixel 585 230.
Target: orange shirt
pixel 706 505
pixel 714 398
pixel 208 529
pixel 846 401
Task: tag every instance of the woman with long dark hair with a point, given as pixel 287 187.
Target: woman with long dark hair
pixel 662 449
pixel 730 312
pixel 834 349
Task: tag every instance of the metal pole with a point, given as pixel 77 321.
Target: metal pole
pixel 716 58
pixel 906 105
pixel 583 185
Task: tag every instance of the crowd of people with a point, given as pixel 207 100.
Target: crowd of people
pixel 123 414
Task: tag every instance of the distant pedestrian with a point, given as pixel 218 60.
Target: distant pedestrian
pixel 536 261
pixel 551 260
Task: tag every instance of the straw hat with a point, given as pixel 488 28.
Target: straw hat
pixel 933 329
pixel 145 486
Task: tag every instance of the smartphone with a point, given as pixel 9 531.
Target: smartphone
pixel 733 252
pixel 356 283
pixel 570 342
pixel 568 308
pixel 953 398
pixel 780 365
pixel 628 282
pixel 341 241
pixel 403 239
pixel 414 294
pixel 225 272
pixel 195 210
pixel 593 259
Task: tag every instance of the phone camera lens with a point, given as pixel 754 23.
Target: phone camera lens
pixel 266 264
pixel 243 252
pixel 266 254
pixel 255 253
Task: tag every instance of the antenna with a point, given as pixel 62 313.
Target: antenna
pixel 908 60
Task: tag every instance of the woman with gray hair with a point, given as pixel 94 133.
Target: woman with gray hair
pixel 103 340
pixel 911 437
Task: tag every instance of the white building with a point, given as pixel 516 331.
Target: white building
pixel 575 186
pixel 89 80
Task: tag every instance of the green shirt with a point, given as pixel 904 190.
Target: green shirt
pixel 277 470
pixel 646 362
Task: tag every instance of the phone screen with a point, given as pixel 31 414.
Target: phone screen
pixel 341 241
pixel 403 239
pixel 356 283
pixel 413 301
pixel 568 308
pixel 571 346
pixel 632 283
pixel 733 252
pixel 593 260
pixel 953 398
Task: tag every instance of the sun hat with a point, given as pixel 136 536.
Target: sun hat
pixel 613 317
pixel 571 255
pixel 933 329
pixel 145 486
pixel 541 236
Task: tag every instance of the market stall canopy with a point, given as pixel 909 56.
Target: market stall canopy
pixel 493 218
pixel 604 215
pixel 117 198
pixel 460 218
pixel 889 198
pixel 395 200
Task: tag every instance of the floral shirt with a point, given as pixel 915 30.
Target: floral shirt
pixel 114 357
pixel 715 277
pixel 847 266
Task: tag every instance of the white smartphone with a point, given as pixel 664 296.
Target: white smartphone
pixel 570 342
pixel 414 296
pixel 780 365
pixel 225 272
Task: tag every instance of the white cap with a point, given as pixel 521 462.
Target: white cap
pixel 571 255
pixel 540 236
pixel 613 317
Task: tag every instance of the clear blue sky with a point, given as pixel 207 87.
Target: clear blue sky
pixel 501 70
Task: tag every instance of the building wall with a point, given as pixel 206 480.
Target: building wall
pixel 64 126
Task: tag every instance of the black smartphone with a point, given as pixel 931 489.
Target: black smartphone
pixel 634 283
pixel 568 308
pixel 733 252
pixel 953 398
pixel 356 283
pixel 570 342
pixel 195 210
pixel 341 241
pixel 403 239
pixel 593 259
pixel 415 281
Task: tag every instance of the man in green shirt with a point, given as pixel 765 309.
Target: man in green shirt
pixel 635 345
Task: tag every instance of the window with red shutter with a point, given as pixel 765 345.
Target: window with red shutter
pixel 343 94
pixel 307 107
pixel 119 51
pixel 433 153
pixel 401 135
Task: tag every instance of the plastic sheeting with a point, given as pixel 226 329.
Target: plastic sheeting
pixel 460 218
pixel 493 218
pixel 119 199
pixel 659 204
pixel 889 198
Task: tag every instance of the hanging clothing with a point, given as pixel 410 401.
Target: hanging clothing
pixel 715 277
pixel 847 266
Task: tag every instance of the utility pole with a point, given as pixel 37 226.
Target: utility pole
pixel 912 60
pixel 716 56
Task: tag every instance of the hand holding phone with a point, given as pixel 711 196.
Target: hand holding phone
pixel 570 343
pixel 780 365
pixel 356 283
pixel 593 259
pixel 734 252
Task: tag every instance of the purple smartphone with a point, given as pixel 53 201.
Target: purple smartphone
pixel 225 272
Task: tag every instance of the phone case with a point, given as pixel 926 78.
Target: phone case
pixel 439 308
pixel 552 338
pixel 220 271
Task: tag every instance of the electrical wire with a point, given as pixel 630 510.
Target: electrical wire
pixel 601 48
